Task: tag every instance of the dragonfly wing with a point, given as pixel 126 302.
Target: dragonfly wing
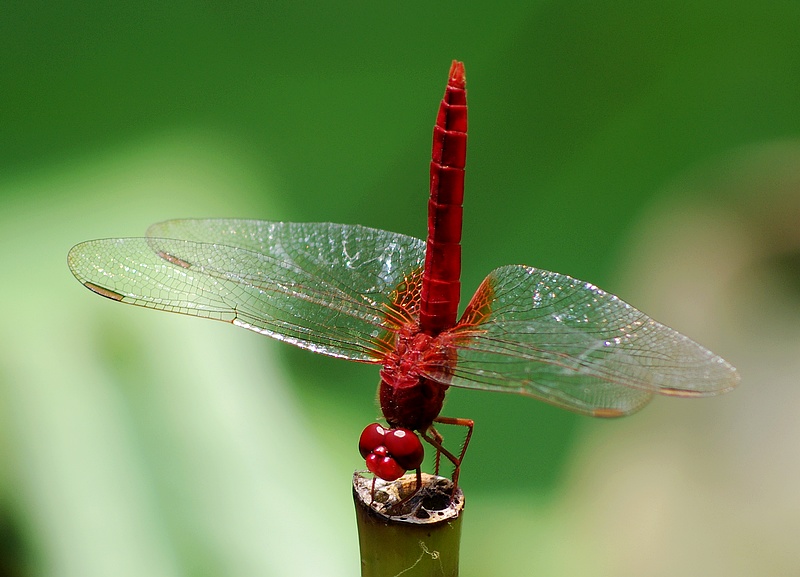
pixel 571 344
pixel 340 290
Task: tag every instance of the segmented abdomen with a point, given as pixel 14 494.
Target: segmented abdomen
pixel 441 281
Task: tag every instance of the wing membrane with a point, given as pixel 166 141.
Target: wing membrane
pixel 569 343
pixel 340 290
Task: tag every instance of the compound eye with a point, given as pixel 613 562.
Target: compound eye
pixel 405 447
pixel 390 452
pixel 372 437
pixel 384 467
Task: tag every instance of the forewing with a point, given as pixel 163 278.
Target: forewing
pixel 341 290
pixel 571 344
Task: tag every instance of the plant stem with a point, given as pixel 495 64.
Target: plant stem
pixel 416 537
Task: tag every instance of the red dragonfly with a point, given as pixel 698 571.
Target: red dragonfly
pixel 380 297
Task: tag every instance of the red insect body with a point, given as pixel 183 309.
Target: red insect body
pixel 408 399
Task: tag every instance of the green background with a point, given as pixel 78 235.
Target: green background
pixel 582 118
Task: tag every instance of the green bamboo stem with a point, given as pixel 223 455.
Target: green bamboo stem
pixel 421 538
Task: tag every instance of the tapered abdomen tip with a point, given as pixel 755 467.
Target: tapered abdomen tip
pixel 458 78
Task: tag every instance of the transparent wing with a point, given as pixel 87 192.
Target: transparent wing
pixel 567 342
pixel 340 290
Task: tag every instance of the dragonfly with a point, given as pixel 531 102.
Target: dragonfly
pixel 373 296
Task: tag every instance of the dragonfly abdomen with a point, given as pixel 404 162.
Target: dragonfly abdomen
pixel 441 281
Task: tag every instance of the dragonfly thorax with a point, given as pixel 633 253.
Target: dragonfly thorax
pixel 408 398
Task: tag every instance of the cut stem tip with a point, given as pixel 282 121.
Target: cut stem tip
pixel 416 534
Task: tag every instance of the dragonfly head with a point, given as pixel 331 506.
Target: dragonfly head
pixel 390 452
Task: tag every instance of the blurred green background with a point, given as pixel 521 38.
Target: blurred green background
pixel 648 147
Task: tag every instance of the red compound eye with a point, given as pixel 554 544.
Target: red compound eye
pixel 390 452
pixel 405 447
pixel 384 467
pixel 372 436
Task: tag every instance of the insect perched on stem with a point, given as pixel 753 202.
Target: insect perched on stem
pixel 380 297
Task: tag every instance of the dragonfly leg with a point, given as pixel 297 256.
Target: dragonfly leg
pixel 435 439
